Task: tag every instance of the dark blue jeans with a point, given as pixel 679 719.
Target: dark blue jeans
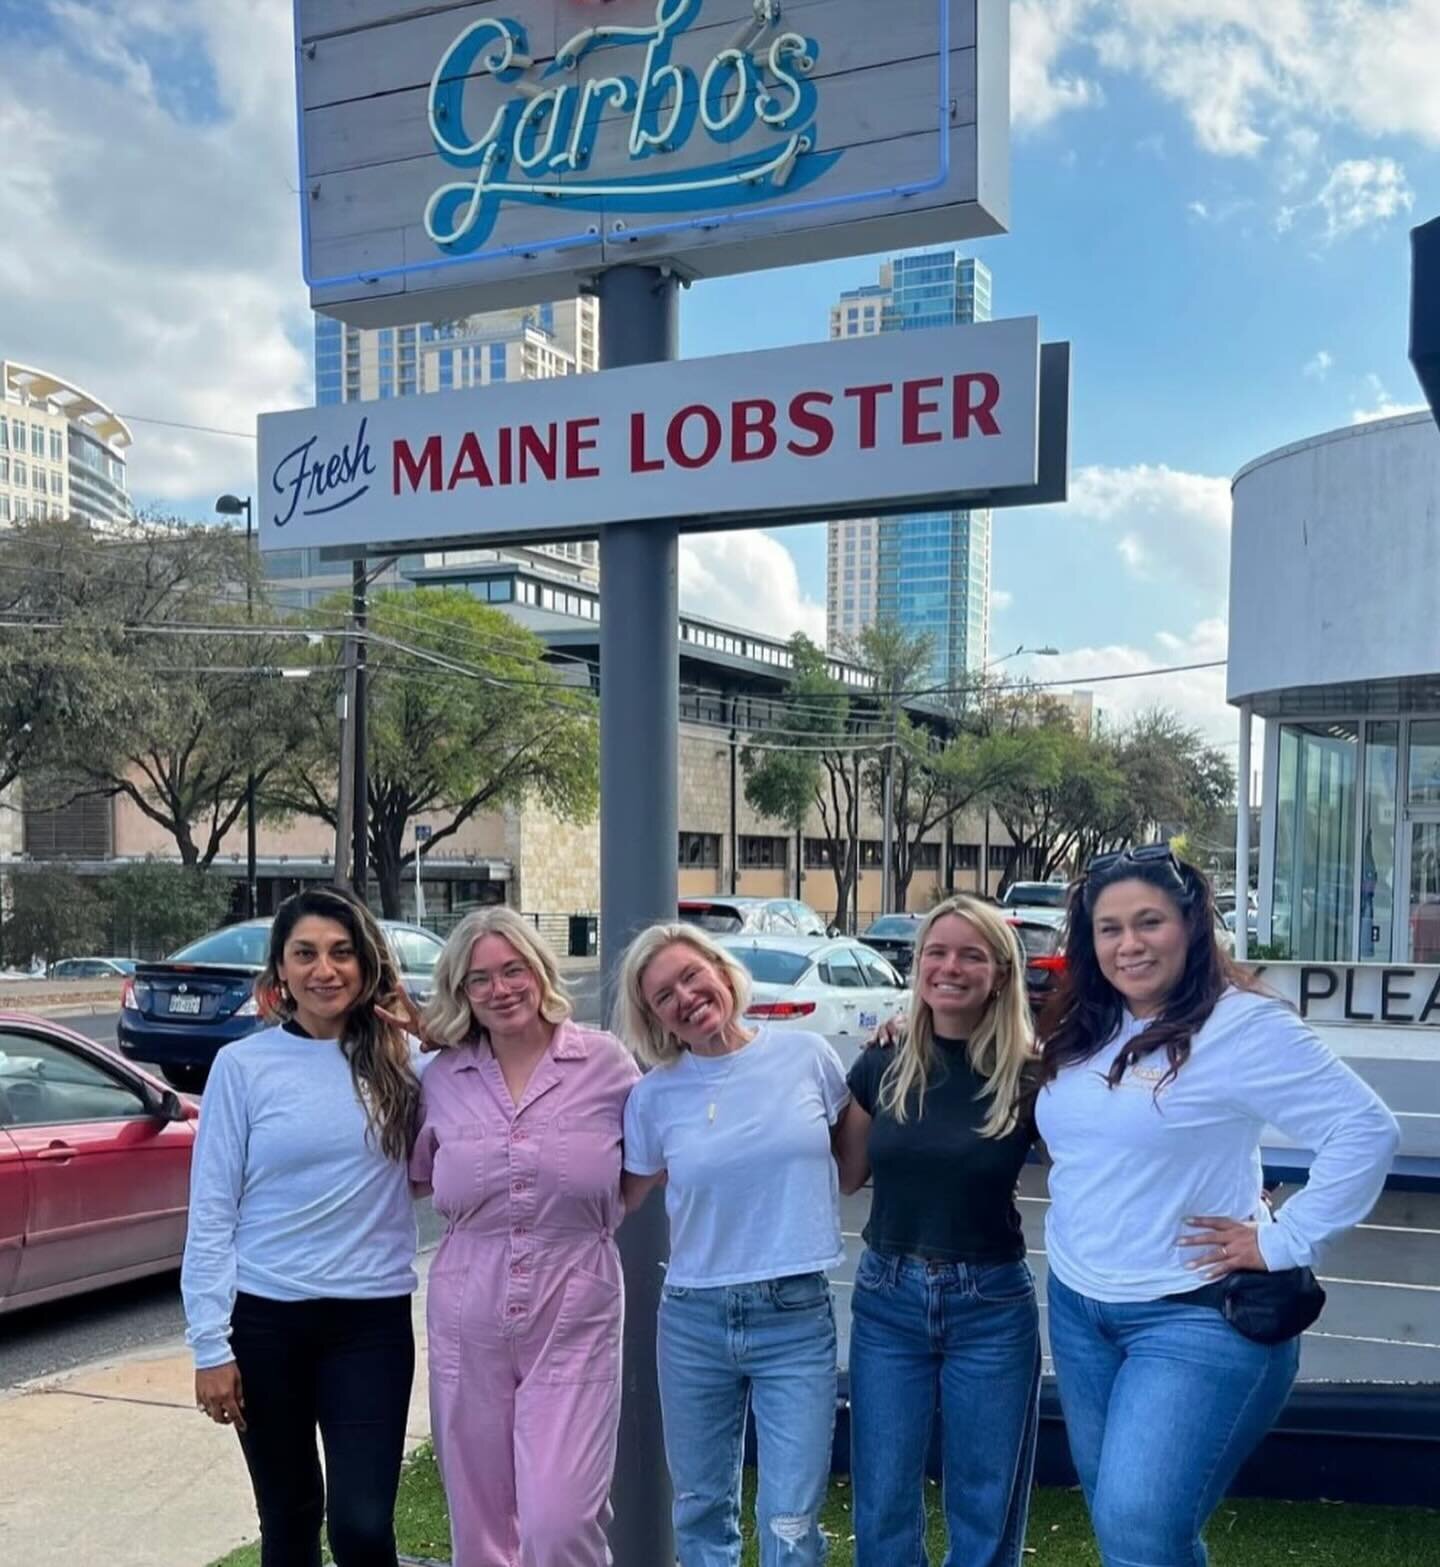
pixel 1163 1402
pixel 964 1338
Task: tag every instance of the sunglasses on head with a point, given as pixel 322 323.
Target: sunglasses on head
pixel 1146 854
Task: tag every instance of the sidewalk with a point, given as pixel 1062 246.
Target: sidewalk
pixel 113 1464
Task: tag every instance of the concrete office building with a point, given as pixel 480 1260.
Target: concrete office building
pixel 928 572
pixel 62 451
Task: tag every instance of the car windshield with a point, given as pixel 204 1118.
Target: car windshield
pixel 416 951
pixel 244 945
pixel 894 927
pixel 1040 894
pixel 772 966
pixel 1038 941
pixel 713 917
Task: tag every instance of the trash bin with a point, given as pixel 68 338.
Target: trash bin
pixel 582 935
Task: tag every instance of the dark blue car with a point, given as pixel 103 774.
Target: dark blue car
pixel 176 1014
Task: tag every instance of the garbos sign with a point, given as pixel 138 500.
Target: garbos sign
pixel 467 156
pixel 858 427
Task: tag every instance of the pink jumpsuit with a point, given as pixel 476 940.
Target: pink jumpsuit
pixel 525 1297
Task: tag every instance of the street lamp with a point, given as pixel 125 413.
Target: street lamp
pixel 233 506
pixel 1036 652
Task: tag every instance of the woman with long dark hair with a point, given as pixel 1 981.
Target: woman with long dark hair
pixel 1175 1297
pixel 299 1260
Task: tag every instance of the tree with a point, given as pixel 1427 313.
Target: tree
pixel 154 687
pixel 464 716
pixel 808 758
pixel 155 907
pixel 53 915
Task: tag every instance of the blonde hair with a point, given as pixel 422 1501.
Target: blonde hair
pixel 448 1019
pixel 999 1049
pixel 635 1022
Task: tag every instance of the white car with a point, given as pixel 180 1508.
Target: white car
pixel 834 986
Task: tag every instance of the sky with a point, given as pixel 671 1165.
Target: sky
pixel 1211 201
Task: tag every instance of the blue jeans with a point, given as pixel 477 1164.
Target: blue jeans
pixel 965 1337
pixel 771 1346
pixel 1163 1402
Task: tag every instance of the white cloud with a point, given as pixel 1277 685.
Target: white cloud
pixel 149 241
pixel 1040 30
pixel 747 579
pixel 1362 191
pixel 1380 405
pixel 1166 524
pixel 1198 209
pixel 1000 599
pixel 1197 695
pixel 1318 367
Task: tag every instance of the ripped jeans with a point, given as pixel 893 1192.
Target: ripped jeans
pixel 769 1346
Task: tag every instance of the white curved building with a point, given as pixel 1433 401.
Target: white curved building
pixel 62 451
pixel 1335 642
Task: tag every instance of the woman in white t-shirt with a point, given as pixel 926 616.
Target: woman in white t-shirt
pixel 738 1123
pixel 1175 1298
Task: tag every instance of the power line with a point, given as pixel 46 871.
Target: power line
pixel 180 424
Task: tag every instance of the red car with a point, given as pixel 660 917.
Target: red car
pixel 94 1165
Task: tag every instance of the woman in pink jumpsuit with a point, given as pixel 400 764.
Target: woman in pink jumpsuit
pixel 519 1139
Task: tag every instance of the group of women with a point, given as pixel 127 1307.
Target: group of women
pixel 1175 1296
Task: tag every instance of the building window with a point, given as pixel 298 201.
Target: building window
pixel 927 857
pixel 1000 857
pixel 57 447
pixel 4 470
pixel 1315 841
pixel 37 441
pixel 18 440
pixel 964 856
pixel 57 484
pixel 699 850
pixel 763 854
pixel 22 474
pixel 1377 846
pixel 870 855
pixel 817 854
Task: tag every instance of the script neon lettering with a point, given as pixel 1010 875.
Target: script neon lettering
pixel 547 127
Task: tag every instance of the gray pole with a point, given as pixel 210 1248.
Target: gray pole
pixel 639 882
pixel 252 899
pixel 360 782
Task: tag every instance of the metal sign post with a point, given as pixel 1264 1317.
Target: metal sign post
pixel 422 837
pixel 639 879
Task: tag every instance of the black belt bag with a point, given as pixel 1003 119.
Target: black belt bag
pixel 1267 1307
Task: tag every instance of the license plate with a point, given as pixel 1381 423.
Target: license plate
pixel 189 1005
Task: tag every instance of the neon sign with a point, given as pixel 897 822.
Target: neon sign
pixel 542 138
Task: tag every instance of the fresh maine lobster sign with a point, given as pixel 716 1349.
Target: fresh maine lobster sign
pixel 464 155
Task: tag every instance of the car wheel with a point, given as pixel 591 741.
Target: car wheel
pixel 188 1079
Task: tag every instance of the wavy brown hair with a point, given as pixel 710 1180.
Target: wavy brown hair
pixel 1086 1011
pixel 378 1053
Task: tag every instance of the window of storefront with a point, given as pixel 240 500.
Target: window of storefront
pixel 1357 841
pixel 699 850
pixel 1314 841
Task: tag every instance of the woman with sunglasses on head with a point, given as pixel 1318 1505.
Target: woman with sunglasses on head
pixel 299 1258
pixel 738 1123
pixel 943 1314
pixel 1175 1298
pixel 519 1140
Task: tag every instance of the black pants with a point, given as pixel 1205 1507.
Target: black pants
pixel 343 1367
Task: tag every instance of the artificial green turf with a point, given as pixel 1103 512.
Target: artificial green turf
pixel 1241 1534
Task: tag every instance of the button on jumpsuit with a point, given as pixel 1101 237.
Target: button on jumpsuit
pixel 525 1299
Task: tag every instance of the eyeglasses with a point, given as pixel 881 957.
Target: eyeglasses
pixel 480 985
pixel 1146 854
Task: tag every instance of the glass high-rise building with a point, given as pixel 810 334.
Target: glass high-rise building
pixel 929 572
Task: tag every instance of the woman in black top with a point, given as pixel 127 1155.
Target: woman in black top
pixel 944 1305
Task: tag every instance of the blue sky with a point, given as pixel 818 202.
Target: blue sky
pixel 1211 200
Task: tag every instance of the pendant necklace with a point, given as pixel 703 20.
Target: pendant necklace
pixel 715 1088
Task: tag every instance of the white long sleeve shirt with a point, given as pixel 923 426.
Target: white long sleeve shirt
pixel 289 1198
pixel 1129 1167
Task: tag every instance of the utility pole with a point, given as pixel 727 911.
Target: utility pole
pixel 887 835
pixel 233 506
pixel 360 783
pixel 345 802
